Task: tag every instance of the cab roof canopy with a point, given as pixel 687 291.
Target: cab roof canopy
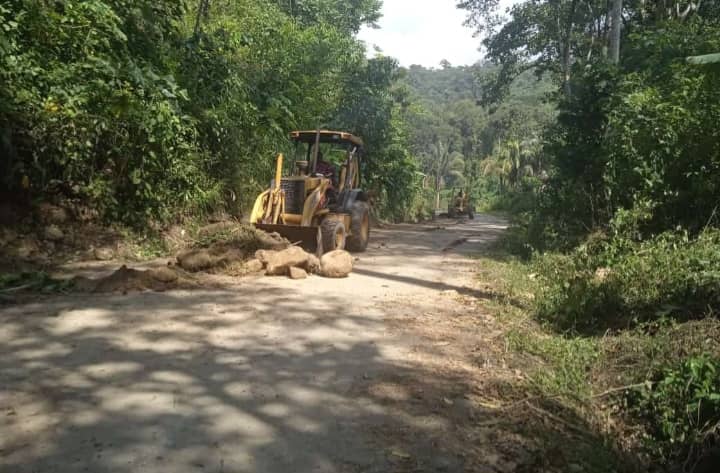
pixel 326 136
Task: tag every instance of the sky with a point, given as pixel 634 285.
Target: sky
pixel 424 32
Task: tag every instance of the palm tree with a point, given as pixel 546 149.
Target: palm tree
pixel 442 163
pixel 512 160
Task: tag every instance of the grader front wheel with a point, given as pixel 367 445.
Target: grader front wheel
pixel 333 235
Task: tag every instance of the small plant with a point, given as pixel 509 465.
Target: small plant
pixel 681 410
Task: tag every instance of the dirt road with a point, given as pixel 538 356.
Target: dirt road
pixel 264 374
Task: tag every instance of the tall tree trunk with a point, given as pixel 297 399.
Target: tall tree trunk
pixel 567 39
pixel 615 30
pixel 437 191
pixel 203 9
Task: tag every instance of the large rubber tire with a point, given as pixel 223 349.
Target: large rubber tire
pixel 359 227
pixel 333 235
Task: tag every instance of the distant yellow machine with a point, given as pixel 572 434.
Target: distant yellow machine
pixel 316 206
pixel 460 205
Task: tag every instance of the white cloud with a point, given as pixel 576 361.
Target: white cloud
pixel 424 32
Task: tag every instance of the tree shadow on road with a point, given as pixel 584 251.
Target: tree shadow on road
pixel 230 381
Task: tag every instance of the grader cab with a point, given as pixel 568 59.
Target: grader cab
pixel 320 205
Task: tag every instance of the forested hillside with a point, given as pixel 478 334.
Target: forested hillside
pixel 619 239
pixel 159 109
pixel 461 142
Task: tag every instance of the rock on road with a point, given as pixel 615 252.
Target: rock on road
pixel 263 375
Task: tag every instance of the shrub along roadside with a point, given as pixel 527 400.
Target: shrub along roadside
pixel 619 283
pixel 637 386
pixel 681 408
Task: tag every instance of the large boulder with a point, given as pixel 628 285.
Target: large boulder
pixel 336 264
pixel 272 241
pixel 254 266
pixel 263 255
pixel 277 262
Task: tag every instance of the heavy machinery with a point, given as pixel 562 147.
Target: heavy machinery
pixel 460 205
pixel 316 206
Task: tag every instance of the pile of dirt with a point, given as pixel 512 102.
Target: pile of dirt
pixel 227 248
pixel 225 245
pixel 133 280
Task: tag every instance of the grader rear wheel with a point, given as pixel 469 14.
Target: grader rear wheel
pixel 359 227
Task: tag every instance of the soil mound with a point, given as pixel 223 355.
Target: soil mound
pixel 223 246
pixel 134 280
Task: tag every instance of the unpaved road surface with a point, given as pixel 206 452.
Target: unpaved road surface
pixel 264 374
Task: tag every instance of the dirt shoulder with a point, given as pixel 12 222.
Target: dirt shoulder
pixel 397 368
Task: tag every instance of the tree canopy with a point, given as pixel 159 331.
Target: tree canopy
pixel 152 109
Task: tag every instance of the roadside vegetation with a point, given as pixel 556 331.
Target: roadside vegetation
pixel 608 275
pixel 163 110
pixel 592 124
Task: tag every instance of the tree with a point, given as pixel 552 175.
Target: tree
pixel 347 15
pixel 441 162
pixel 615 30
pixel 562 36
pixel 622 137
pixel 157 108
pixel 512 161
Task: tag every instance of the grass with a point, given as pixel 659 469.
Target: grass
pixel 564 364
pixel 587 376
pixel 558 365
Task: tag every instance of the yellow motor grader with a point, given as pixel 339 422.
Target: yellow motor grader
pixel 318 206
pixel 460 205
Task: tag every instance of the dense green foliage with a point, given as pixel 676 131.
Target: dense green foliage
pixel 461 143
pixel 682 407
pixel 621 282
pixel 153 108
pixel 89 105
pixel 639 132
pixel 634 151
pixel 631 189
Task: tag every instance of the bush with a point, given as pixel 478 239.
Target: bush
pixel 619 282
pixel 681 411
